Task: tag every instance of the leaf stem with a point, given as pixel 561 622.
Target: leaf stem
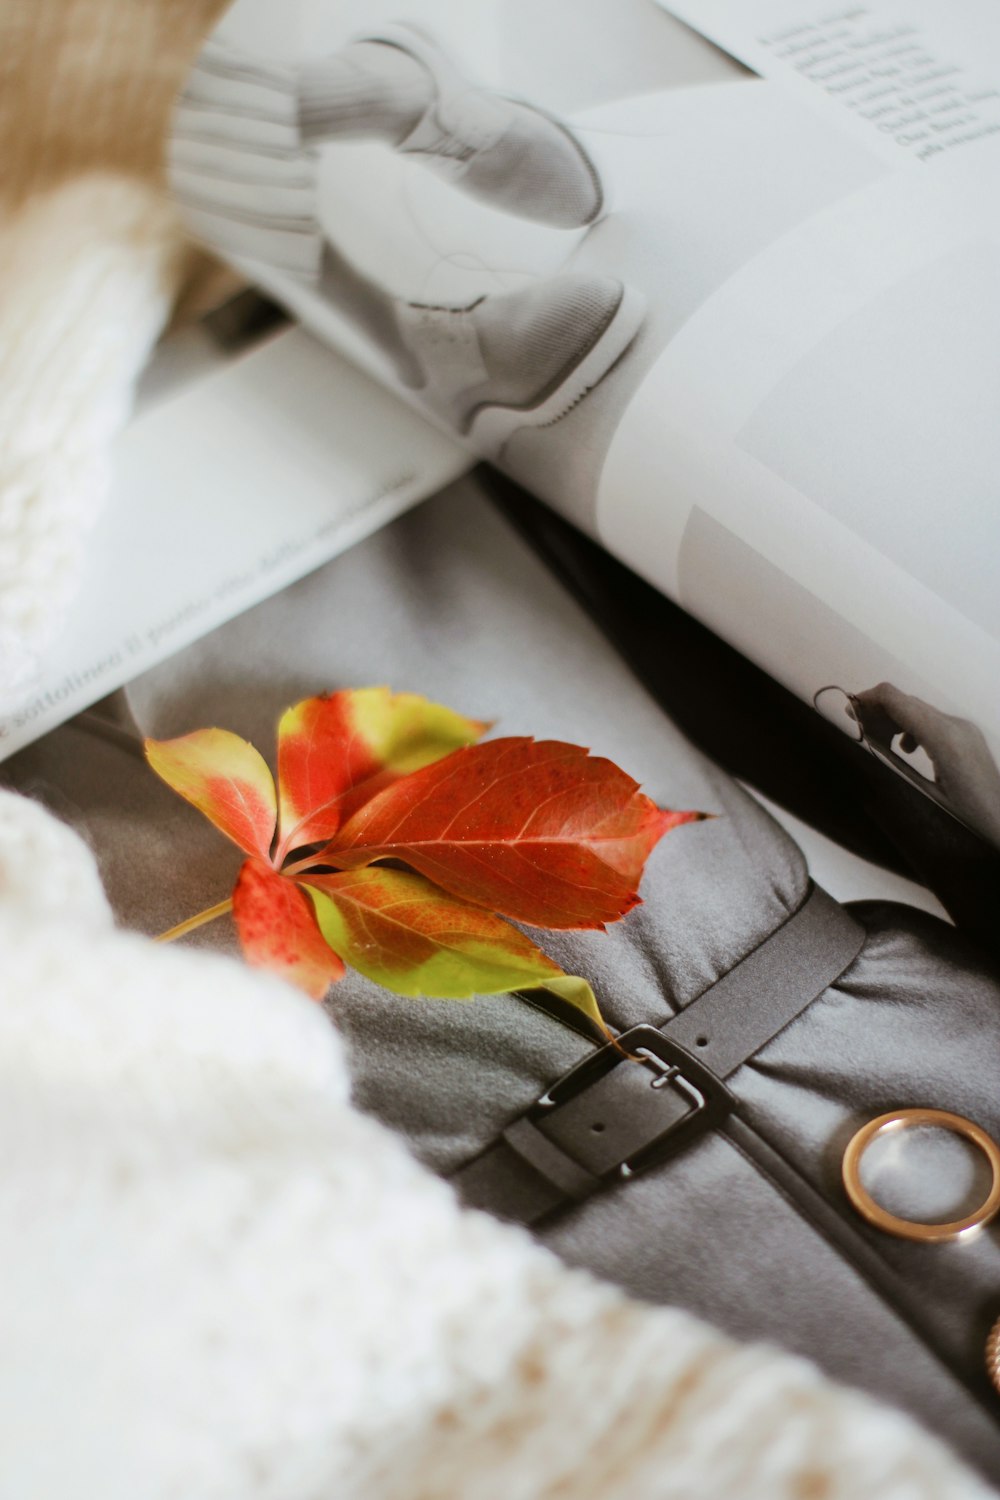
pixel 309 863
pixel 200 920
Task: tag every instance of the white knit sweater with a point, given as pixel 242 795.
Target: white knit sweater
pixel 87 276
pixel 222 1282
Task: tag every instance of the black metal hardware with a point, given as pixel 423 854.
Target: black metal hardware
pixel 675 1072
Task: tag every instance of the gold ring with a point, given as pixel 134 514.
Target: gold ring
pixel 993 1354
pixel 912 1229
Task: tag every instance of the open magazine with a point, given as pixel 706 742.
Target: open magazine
pixel 735 312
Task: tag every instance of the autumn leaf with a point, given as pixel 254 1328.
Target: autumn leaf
pixel 402 932
pixel 538 830
pixel 542 832
pixel 348 745
pixel 226 779
pixel 278 930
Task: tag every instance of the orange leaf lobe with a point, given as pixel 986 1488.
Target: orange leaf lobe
pixel 278 930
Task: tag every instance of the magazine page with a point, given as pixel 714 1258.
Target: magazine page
pixel 514 268
pixel 825 428
pixel 695 311
pixel 241 481
pixel 910 79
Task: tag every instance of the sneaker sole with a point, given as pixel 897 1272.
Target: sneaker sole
pixel 493 426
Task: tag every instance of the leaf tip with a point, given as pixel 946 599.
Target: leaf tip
pixel 152 749
pixel 670 818
pixel 578 994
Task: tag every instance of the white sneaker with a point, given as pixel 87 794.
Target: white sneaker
pixel 522 359
pixel 511 155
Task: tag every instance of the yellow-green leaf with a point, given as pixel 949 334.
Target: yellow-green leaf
pixel 404 933
pixel 225 778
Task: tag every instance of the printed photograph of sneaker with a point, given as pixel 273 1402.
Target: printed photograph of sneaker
pixel 523 358
pixel 399 86
pixel 248 182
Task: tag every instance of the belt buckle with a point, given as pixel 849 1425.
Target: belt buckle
pixel 709 1099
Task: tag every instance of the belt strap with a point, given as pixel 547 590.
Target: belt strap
pixel 635 1102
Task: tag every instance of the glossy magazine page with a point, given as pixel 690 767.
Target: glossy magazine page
pixel 746 342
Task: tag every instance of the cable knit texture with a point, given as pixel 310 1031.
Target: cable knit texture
pixel 89 273
pixel 91 260
pixel 221 1281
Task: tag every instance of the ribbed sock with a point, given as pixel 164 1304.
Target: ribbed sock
pixel 368 90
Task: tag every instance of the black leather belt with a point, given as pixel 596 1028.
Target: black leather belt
pixel 635 1102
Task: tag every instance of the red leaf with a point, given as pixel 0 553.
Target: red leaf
pixel 540 831
pixel 278 930
pixel 225 778
pixel 355 742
